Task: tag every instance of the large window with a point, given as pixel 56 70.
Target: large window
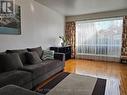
pixel 99 37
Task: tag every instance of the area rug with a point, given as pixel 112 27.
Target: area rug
pixel 73 84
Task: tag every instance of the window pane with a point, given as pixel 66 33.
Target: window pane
pixel 100 37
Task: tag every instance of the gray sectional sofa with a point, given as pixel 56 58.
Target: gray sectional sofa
pixel 16 69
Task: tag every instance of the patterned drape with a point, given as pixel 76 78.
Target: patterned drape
pixel 124 37
pixel 70 33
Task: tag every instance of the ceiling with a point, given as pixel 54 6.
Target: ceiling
pixel 78 7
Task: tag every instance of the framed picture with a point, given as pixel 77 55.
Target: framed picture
pixel 11 24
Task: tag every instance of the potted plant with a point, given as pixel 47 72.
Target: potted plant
pixel 64 41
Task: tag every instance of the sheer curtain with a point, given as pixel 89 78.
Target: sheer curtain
pixel 102 37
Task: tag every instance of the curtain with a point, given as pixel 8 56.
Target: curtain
pixel 101 37
pixel 70 35
pixel 124 37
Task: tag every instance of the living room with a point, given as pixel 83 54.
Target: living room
pixel 63 47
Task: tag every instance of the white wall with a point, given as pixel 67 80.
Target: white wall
pixel 41 26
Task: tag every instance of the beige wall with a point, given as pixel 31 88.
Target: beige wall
pixel 41 26
pixel 117 13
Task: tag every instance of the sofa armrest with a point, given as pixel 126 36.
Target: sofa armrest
pixel 16 90
pixel 59 56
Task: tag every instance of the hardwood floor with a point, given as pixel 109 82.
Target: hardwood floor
pixel 115 73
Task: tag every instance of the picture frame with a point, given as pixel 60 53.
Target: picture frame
pixel 11 25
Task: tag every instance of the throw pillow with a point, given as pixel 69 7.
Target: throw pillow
pixel 38 50
pixel 33 58
pixel 47 54
pixel 21 53
pixel 10 62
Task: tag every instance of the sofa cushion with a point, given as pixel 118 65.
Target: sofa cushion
pixel 16 90
pixel 36 70
pixel 52 64
pixel 21 54
pixel 37 49
pixel 43 68
pixel 9 62
pixel 2 52
pixel 15 77
pixel 47 54
pixel 33 58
